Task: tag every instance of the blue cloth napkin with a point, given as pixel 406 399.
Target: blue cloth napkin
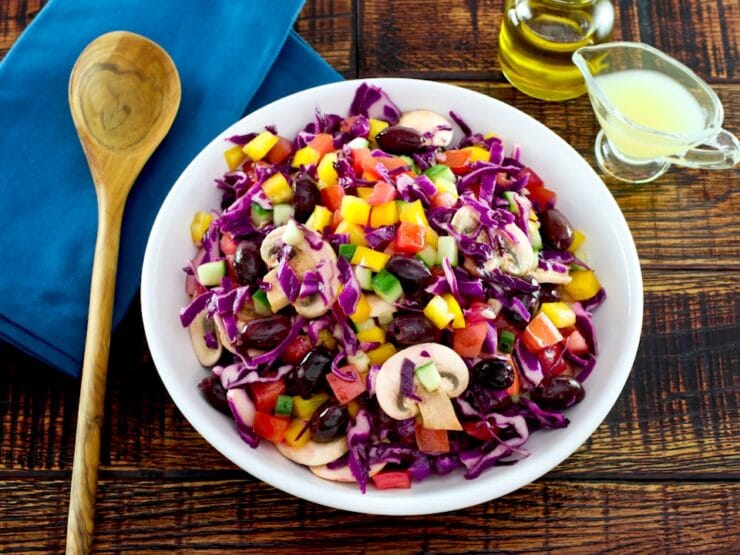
pixel 232 57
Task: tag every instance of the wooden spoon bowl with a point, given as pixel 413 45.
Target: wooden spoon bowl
pixel 124 93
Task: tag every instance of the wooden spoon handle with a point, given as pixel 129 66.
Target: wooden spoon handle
pixel 81 518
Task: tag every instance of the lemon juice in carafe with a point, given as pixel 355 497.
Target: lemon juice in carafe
pixel 538 37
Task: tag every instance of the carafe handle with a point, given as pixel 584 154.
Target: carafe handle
pixel 720 153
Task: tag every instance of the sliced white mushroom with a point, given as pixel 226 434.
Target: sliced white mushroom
pixel 343 474
pixel 275 294
pixel 465 219
pixel 437 411
pixel 435 130
pixel 201 325
pixel 271 246
pixel 550 276
pixel 314 453
pixel 519 258
pixel 455 378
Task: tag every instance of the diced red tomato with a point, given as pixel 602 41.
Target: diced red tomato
pixel 346 124
pixel 410 238
pixel 577 343
pixel 432 442
pixel 331 196
pixel 391 162
pixel 382 192
pixel 457 160
pixel 468 341
pixel 265 394
pixel 443 199
pixel 280 152
pixel 269 427
pixel 474 314
pixel 540 333
pixel 227 244
pixel 551 359
pixel 393 480
pixel 296 350
pixel 364 163
pixel 344 390
pixel 479 429
pixel 230 269
pixel 336 219
pixel 322 143
pixel 542 198
pixel 534 179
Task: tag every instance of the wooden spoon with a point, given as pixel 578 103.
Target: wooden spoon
pixel 124 92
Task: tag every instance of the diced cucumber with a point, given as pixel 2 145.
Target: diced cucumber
pixel 440 171
pixel 364 326
pixel 292 235
pixel 513 206
pixel 211 273
pixel 282 213
pixel 410 161
pixel 445 186
pixel 261 304
pixel 447 248
pixel 534 235
pixel 260 216
pixel 387 286
pixel 428 255
pixel 359 360
pixel 284 405
pixel 347 250
pixel 429 376
pixel 364 277
pixel 358 142
pixel 385 318
pixel 506 341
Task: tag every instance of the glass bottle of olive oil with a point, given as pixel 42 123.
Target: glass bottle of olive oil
pixel 538 37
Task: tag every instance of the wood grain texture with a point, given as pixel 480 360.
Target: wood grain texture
pixel 248 516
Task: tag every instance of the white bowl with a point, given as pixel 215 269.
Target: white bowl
pixel 582 196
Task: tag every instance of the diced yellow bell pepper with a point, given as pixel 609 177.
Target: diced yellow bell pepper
pixel 305 156
pixel 354 210
pixel 326 172
pixel 583 285
pixel 355 232
pixel 560 314
pixel 258 147
pixel 319 218
pixel 297 433
pixel 380 354
pixel 431 237
pixel 376 126
pixel 578 239
pixel 277 189
pixel 413 213
pixel 234 157
pixel 327 339
pixel 369 258
pixel 477 154
pixel 304 408
pixel 384 214
pixel 458 320
pixel 372 335
pixel 438 312
pixel 362 312
pixel 364 192
pixel 199 226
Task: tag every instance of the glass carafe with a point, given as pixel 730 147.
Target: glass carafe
pixel 538 37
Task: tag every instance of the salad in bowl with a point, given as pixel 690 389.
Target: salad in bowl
pixel 389 295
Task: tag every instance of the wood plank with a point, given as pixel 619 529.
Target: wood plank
pixel 678 415
pixel 329 26
pixel 461 39
pixel 14 17
pixel 243 515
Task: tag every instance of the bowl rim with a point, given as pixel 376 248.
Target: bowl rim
pixel 408 502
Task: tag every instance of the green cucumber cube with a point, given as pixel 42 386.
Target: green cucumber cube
pixel 347 251
pixel 440 171
pixel 284 405
pixel 387 286
pixel 261 304
pixel 534 235
pixel 364 326
pixel 260 216
pixel 385 318
pixel 506 341
pixel 410 161
pixel 282 213
pixel 513 206
pixel 428 255
pixel 429 376
pixel 358 142
pixel 364 277
pixel 211 273
pixel 447 248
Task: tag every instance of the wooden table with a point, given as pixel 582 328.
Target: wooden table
pixel 659 475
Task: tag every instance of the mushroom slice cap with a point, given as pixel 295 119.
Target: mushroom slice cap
pixel 314 453
pixel 436 130
pixel 271 246
pixel 198 328
pixel 343 474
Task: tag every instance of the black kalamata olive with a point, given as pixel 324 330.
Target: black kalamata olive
pixel 305 198
pixel 411 329
pixel 248 264
pixel 305 379
pixel 557 229
pixel 215 393
pixel 559 392
pixel 328 422
pixel 266 333
pixel 411 272
pixel 399 140
pixel 496 373
pixel 549 293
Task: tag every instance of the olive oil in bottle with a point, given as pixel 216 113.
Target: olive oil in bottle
pixel 538 37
